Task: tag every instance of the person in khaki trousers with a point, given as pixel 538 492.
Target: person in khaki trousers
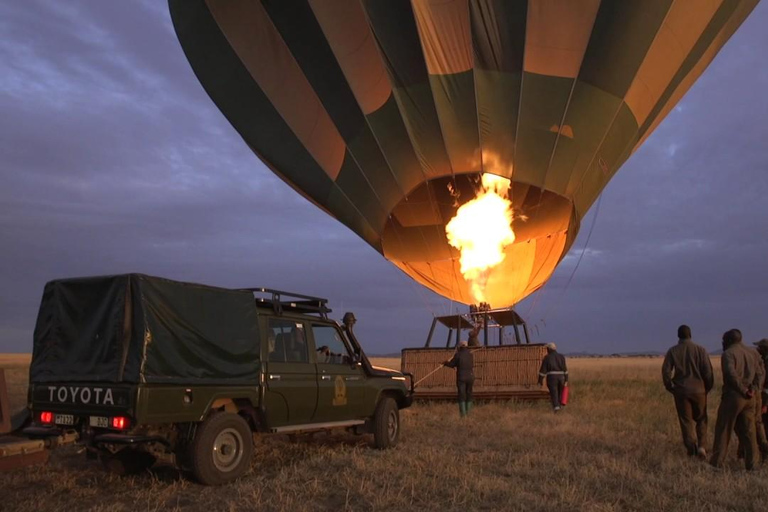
pixel 687 374
pixel 762 349
pixel 760 401
pixel 741 378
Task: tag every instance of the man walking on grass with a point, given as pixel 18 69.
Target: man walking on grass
pixel 741 378
pixel 687 374
pixel 554 369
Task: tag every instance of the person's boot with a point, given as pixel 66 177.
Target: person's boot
pixel 468 407
pixel 462 409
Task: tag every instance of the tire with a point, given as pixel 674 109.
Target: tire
pixel 222 449
pixel 127 462
pixel 386 424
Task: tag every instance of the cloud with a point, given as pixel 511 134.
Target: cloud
pixel 114 159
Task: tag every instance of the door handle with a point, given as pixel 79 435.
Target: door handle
pixel 351 378
pixel 274 377
pixel 325 377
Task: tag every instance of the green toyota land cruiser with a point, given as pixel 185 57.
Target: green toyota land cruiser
pixel 145 369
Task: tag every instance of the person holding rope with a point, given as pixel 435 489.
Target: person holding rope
pixel 553 367
pixel 464 363
pixel 474 335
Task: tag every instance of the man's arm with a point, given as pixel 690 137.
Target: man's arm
pixel 759 373
pixel 705 368
pixel 453 362
pixel 667 370
pixel 565 369
pixel 729 373
pixel 542 371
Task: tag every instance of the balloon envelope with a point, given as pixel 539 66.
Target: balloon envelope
pixel 372 108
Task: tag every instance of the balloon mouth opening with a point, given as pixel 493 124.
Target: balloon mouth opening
pixel 414 238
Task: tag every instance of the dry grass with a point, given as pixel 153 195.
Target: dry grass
pixel 617 447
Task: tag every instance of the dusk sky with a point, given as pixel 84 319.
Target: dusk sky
pixel 114 159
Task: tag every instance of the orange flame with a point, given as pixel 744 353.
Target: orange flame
pixel 481 229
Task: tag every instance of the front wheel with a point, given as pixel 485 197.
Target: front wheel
pixel 386 424
pixel 222 449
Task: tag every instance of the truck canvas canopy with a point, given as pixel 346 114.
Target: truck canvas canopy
pixel 136 328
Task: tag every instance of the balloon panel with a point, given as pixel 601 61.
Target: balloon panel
pixel 371 109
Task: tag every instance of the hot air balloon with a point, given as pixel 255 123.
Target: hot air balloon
pixel 385 113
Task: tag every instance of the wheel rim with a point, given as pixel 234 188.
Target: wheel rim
pixel 227 450
pixel 392 425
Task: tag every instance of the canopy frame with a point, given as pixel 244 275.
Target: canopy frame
pixel 488 319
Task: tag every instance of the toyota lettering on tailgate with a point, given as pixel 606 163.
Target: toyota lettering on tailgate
pixel 83 395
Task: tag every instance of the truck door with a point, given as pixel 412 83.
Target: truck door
pixel 340 380
pixel 291 380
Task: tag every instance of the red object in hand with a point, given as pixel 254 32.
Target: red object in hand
pixel 564 395
pixel 765 409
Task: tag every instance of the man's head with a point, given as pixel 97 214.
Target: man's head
pixel 551 347
pixel 731 337
pixel 463 344
pixel 349 319
pixel 684 332
pixel 762 346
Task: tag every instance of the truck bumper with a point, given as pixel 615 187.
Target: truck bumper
pixel 128 439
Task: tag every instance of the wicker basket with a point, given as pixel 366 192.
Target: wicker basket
pixel 501 372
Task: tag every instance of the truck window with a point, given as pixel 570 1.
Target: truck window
pixel 287 341
pixel 330 346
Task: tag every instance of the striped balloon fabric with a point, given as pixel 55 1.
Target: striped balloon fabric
pixel 385 112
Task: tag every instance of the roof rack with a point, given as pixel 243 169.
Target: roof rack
pixel 288 301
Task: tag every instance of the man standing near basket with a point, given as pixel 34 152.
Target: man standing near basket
pixel 553 367
pixel 464 362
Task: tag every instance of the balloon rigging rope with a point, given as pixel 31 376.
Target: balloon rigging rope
pixel 578 262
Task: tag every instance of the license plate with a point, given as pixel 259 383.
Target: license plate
pixel 64 419
pixel 99 421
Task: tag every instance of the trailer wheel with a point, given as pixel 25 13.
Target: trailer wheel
pixel 127 461
pixel 222 449
pixel 386 424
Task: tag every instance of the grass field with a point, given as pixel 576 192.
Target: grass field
pixel 617 447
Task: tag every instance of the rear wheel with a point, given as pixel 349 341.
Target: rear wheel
pixel 386 424
pixel 222 449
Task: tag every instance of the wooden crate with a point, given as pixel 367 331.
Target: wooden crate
pixel 501 372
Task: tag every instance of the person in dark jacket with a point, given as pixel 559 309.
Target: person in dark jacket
pixel 474 335
pixel 741 377
pixel 554 369
pixel 464 362
pixel 687 374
